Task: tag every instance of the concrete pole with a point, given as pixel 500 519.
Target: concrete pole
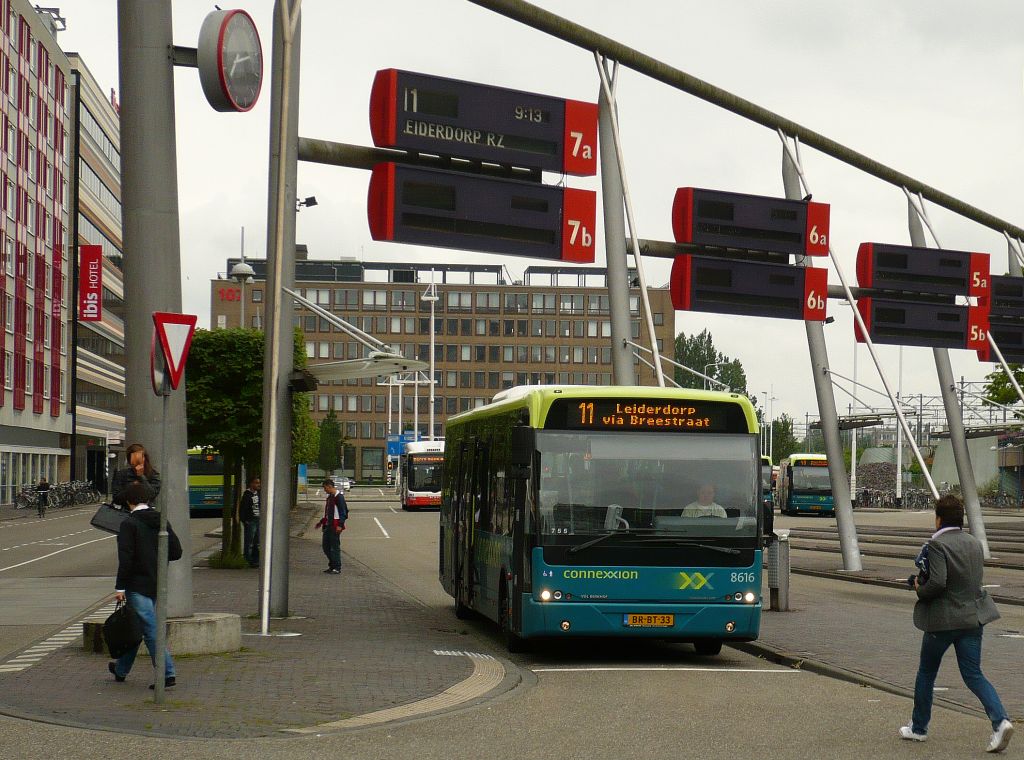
pixel 615 248
pixel 853 432
pixel 954 416
pixel 149 191
pixel 278 354
pixel 827 408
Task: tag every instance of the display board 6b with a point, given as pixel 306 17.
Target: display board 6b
pixel 453 210
pixel 932 325
pixel 449 117
pixel 750 222
pixel 757 289
pixel 881 266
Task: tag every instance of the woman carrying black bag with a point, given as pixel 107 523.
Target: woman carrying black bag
pixel 139 470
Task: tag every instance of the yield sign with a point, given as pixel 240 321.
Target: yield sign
pixel 175 334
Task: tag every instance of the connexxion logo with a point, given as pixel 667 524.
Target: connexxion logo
pixel 618 575
pixel 694 581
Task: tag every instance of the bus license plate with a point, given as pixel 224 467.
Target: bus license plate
pixel 633 620
pixel 816 508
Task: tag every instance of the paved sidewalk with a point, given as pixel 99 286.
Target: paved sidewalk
pixel 365 646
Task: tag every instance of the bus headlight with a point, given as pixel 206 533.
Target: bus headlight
pixel 557 595
pixel 749 597
pixel 545 595
pixel 730 627
pixel 565 625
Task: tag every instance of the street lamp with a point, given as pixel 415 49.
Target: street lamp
pixel 712 364
pixel 242 273
pixel 308 203
pixel 430 295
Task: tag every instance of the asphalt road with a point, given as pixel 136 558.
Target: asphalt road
pixel 588 700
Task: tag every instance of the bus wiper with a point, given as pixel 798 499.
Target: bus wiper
pixel 685 542
pixel 599 539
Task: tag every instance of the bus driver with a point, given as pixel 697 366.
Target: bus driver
pixel 705 505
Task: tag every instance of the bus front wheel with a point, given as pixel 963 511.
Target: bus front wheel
pixel 708 648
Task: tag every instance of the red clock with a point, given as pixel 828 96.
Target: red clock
pixel 230 60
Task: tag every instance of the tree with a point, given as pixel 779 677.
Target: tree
pixel 224 408
pixel 999 388
pixel 784 442
pixel 329 458
pixel 698 352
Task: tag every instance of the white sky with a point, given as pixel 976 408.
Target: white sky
pixel 933 90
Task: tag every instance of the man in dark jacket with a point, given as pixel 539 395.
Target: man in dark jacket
pixel 136 575
pixel 333 523
pixel 952 609
pixel 249 514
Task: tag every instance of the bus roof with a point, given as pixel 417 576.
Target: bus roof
pixel 425 447
pixel 765 459
pixel 811 457
pixel 537 399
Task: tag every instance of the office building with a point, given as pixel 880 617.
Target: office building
pixel 35 270
pixel 491 332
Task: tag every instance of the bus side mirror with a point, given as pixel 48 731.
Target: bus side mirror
pixel 524 443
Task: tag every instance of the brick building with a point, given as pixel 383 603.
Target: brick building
pixel 491 332
pixel 35 273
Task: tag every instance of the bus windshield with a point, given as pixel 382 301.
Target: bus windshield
pixel 811 479
pixel 699 486
pixel 425 476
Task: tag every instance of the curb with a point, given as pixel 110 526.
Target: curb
pixel 818 667
pixel 834 576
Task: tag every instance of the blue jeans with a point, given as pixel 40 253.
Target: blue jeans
pixel 144 608
pixel 331 544
pixel 967 644
pixel 251 536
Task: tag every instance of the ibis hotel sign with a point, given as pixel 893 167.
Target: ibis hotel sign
pixel 90 283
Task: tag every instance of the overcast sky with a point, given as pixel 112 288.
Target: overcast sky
pixel 934 90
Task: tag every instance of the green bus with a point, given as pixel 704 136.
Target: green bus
pixel 606 511
pixel 205 483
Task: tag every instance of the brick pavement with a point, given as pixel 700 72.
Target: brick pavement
pixel 364 646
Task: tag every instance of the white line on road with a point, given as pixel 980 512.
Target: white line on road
pixel 59 551
pixel 393 510
pixel 991 585
pixel 381 528
pixel 380 492
pixel 666 669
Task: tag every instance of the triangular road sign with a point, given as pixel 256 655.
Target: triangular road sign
pixel 175 334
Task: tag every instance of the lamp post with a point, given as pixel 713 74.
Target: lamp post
pixel 242 273
pixel 430 295
pixel 712 364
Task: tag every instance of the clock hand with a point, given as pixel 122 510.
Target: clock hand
pixel 238 59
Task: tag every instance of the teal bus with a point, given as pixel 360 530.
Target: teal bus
pixel 606 511
pixel 803 486
pixel 205 483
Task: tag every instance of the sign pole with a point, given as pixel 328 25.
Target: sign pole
pixel 161 572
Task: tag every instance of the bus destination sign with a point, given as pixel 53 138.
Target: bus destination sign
pixel 646 414
pixel 450 117
pixel 809 462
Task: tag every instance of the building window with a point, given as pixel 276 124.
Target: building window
pixel 571 304
pixel 516 303
pixel 459 300
pixel 375 299
pixel 9 371
pixel 403 300
pixel 543 303
pixel 487 302
pixel 257 296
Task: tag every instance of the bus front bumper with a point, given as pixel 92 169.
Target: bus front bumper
pixel 727 621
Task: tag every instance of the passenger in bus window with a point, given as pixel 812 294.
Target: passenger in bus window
pixel 705 505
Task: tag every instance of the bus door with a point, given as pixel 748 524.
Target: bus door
pixel 523 456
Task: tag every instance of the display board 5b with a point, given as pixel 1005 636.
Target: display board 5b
pixel 449 117
pixel 453 210
pixel 931 325
pixel 750 222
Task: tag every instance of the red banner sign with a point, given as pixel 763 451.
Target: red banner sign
pixel 90 283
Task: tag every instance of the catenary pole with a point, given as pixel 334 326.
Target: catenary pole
pixel 278 352
pixel 152 262
pixel 827 406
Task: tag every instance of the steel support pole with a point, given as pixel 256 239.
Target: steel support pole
pixel 279 348
pixel 853 433
pixel 149 207
pixel 827 407
pixel 615 247
pixel 954 417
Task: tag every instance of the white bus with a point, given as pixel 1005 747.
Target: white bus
pixel 421 469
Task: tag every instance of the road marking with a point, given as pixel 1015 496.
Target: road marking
pixel 668 668
pixel 1011 635
pixel 15 523
pixel 460 653
pixel 991 585
pixel 381 528
pixel 393 510
pixel 487 675
pixel 51 554
pixel 380 492
pixel 48 540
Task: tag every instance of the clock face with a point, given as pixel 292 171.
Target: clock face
pixel 241 60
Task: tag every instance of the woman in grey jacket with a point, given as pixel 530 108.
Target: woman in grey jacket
pixel 139 470
pixel 952 609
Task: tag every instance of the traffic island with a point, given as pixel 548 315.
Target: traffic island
pixel 203 633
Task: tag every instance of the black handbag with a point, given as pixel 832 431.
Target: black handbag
pixel 122 630
pixel 109 518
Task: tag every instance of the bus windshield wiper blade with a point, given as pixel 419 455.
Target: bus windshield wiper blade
pixel 685 542
pixel 599 539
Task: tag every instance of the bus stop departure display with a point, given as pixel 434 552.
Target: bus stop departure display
pixel 449 117
pixel 646 414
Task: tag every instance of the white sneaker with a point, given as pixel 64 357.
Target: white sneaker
pixel 1001 737
pixel 907 732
